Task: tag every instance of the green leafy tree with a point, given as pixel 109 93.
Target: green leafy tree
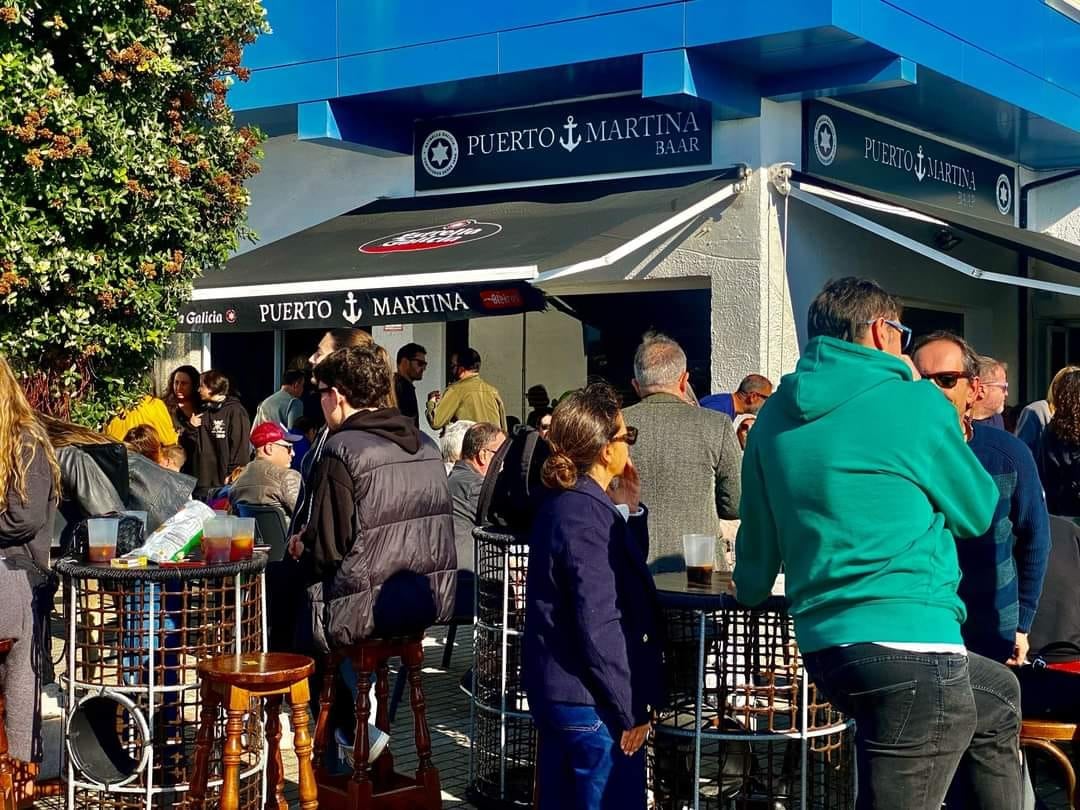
pixel 122 177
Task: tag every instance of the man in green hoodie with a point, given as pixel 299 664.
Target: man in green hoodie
pixel 857 480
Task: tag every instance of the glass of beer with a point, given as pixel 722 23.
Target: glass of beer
pixel 101 536
pixel 217 539
pixel 700 553
pixel 243 539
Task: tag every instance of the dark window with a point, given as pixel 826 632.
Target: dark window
pixel 924 321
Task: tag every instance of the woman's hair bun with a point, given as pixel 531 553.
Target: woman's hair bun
pixel 559 471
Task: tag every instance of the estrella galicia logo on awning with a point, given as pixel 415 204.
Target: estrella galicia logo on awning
pixel 453 233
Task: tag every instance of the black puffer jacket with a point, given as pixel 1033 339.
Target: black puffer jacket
pixel 381 533
pixel 1059 467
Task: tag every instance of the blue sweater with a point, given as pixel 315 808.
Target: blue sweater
pixel 1002 571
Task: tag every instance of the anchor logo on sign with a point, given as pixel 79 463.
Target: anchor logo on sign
pixel 353 313
pixel 920 172
pixel 570 142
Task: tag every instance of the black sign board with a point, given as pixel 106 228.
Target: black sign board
pixel 361 308
pixel 562 140
pixel 850 148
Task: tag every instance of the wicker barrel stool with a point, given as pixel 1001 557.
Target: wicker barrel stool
pixel 1042 735
pixel 232 681
pixel 377 786
pixel 7 773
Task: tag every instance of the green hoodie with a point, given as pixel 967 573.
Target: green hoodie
pixel 857 480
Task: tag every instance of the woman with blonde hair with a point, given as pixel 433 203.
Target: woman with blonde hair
pixel 1035 417
pixel 30 487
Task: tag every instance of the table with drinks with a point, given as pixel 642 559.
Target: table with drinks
pixel 135 632
pixel 743 725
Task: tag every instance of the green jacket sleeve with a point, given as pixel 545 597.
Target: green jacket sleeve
pixel 440 416
pixel 958 486
pixel 757 547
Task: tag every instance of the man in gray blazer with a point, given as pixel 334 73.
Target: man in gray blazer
pixel 688 457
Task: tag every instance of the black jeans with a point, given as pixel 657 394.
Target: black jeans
pixel 922 716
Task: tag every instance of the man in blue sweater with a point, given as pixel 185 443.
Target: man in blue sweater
pixel 1002 571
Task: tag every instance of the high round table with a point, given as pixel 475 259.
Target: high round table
pixel 743 725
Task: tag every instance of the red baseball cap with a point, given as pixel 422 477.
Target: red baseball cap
pixel 270 432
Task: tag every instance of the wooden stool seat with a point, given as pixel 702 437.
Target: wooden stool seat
pixel 7 773
pixel 1041 735
pixel 376 786
pixel 255 671
pixel 232 681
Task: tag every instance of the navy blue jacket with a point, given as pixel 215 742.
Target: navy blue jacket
pixel 593 627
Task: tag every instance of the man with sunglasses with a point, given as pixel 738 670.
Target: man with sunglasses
pixel 411 365
pixel 1003 570
pixel 857 481
pixel 269 480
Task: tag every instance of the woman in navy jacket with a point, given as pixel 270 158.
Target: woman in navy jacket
pixel 593 666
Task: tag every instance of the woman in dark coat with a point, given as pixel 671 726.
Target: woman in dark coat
pixel 29 490
pixel 593 649
pixel 1059 449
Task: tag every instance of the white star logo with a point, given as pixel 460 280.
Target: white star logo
pixel 825 138
pixel 1004 194
pixel 439 152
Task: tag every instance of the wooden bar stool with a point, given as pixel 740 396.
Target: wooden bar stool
pixel 377 786
pixel 1042 735
pixel 7 773
pixel 232 681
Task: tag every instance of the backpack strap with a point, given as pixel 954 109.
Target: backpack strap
pixel 487 490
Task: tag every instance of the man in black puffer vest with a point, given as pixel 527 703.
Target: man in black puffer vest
pixel 380 540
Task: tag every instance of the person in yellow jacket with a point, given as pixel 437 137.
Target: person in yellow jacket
pixel 150 411
pixel 469 397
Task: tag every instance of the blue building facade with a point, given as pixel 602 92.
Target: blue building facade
pixel 699 166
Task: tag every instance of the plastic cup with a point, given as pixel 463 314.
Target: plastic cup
pixel 243 539
pixel 217 539
pixel 101 535
pixel 699 550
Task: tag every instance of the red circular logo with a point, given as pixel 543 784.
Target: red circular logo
pixel 230 316
pixel 453 233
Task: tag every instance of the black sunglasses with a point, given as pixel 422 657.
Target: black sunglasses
pixel 630 437
pixel 323 389
pixel 947 380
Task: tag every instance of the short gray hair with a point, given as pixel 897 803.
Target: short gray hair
pixel 658 362
pixel 451 440
pixel 988 365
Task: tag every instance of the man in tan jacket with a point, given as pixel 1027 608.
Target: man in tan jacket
pixel 469 397
pixel 268 480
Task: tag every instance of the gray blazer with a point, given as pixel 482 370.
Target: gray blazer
pixel 689 461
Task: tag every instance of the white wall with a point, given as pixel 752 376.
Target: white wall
pixel 555 354
pixel 303 184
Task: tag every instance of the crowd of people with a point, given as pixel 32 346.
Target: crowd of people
pixel 911 526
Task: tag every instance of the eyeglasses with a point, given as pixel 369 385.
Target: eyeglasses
pixel 947 380
pixel 630 437
pixel 287 445
pixel 905 331
pixel 1004 386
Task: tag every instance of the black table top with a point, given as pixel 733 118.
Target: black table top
pixel 164 572
pixel 675 591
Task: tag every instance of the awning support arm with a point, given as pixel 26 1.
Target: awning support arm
pixel 799 193
pixel 651 235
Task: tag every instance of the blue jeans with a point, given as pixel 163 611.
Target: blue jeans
pixel 922 716
pixel 580 764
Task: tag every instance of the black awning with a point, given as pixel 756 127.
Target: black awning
pixel 1032 243
pixel 441 257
